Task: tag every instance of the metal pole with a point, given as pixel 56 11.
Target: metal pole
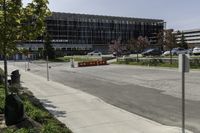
pixel 47 68
pixel 25 66
pixel 183 95
pixel 4 49
pixel 28 65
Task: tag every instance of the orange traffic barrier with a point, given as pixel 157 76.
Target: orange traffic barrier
pixel 92 63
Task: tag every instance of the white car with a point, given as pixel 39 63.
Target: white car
pixel 95 53
pixel 166 53
pixel 196 51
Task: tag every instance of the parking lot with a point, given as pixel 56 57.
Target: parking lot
pixel 150 92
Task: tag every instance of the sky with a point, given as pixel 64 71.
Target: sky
pixel 179 14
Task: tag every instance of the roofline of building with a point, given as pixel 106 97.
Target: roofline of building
pixel 106 16
pixel 187 31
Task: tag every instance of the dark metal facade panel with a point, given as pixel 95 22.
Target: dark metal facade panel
pixel 96 29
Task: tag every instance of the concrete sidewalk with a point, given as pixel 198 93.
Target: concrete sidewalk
pixel 84 113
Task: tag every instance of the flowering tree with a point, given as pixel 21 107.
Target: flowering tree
pixel 116 47
pixel 160 38
pixel 143 42
pixel 170 42
pixel 133 45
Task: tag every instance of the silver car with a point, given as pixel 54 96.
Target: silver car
pixel 95 53
pixel 196 51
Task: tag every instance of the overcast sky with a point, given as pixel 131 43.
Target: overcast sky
pixel 179 14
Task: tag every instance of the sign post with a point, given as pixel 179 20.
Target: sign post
pixel 28 65
pixel 184 66
pixel 25 66
pixel 47 60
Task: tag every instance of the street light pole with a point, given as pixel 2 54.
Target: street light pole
pixel 4 49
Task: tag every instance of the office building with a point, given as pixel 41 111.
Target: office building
pixel 192 37
pixel 82 33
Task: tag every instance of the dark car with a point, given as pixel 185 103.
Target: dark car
pixel 152 52
pixel 126 53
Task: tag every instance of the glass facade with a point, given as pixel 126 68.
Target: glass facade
pixel 91 29
pixel 94 32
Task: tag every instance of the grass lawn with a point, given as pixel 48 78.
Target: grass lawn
pixel 193 65
pixel 36 112
pixel 78 58
pixel 174 65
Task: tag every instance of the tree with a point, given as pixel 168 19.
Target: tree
pixel 48 48
pixel 143 42
pixel 160 37
pixel 20 23
pixel 133 45
pixel 183 43
pixel 170 42
pixel 24 51
pixel 116 47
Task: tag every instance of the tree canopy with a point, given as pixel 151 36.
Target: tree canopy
pixel 20 23
pixel 170 40
pixel 116 47
pixel 48 48
pixel 183 42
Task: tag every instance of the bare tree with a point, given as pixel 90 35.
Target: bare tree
pixel 143 42
pixel 116 47
pixel 170 42
pixel 133 45
pixel 160 39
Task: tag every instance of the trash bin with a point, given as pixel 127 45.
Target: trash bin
pixel 14 110
pixel 15 77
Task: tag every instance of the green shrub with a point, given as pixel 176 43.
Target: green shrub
pixel 195 63
pixel 22 130
pixel 38 113
pixel 1 76
pixel 8 130
pixel 34 112
pixel 53 127
pixel 148 62
pixel 155 62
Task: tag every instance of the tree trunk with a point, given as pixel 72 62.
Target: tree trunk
pixel 4 49
pixel 171 57
pixel 137 58
pixel 5 73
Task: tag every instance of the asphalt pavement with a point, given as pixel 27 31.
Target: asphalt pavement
pixel 153 93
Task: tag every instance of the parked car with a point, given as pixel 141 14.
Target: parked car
pixel 123 53
pixel 190 51
pixel 95 53
pixel 177 51
pixel 152 52
pixel 166 53
pixel 196 51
